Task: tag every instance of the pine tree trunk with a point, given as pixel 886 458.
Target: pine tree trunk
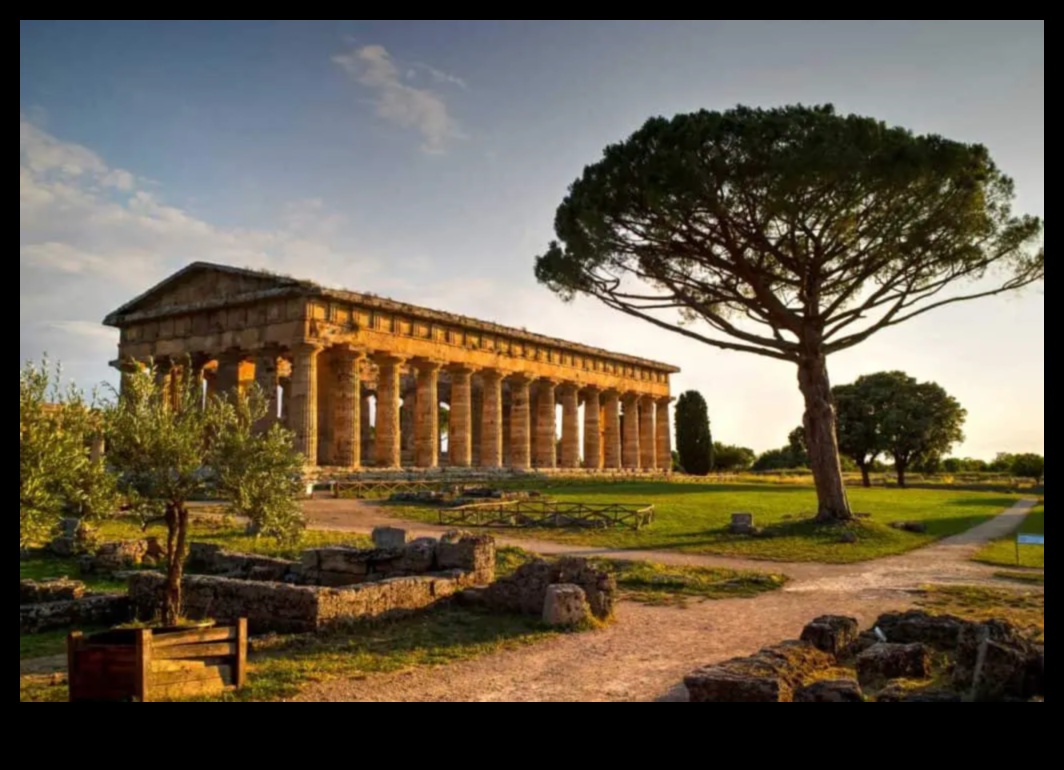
pixel 822 440
pixel 176 553
pixel 866 478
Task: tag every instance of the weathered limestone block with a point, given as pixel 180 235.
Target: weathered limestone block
pixel 832 634
pixel 995 661
pixel 88 611
pixel 525 591
pixel 771 676
pixel 942 632
pixel 565 607
pixel 471 553
pixel 419 557
pixel 115 557
pixel 742 524
pixel 894 661
pixel 390 538
pixel 62 590
pixel 838 691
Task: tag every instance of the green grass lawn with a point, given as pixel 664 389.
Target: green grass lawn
pixel 1024 609
pixel 662 584
pixel 281 666
pixel 693 518
pixel 1002 553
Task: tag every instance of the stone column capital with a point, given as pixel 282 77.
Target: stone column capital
pixel 568 388
pixel 302 348
pixel 664 400
pixel 462 370
pixel 427 364
pixel 493 375
pixel 518 378
pixel 350 352
pixel 388 359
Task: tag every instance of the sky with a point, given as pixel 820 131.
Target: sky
pixel 424 161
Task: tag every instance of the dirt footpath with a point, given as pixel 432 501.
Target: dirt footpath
pixel 646 653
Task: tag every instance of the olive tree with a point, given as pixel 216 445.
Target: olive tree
pixel 790 233
pixel 61 470
pixel 170 446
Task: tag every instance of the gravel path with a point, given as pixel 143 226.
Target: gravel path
pixel 646 653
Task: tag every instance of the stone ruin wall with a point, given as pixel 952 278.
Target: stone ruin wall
pixel 328 587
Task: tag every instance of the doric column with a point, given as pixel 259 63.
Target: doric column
pixel 570 397
pixel 366 425
pixel 266 379
pixel 303 410
pixel 427 415
pixel 630 452
pixel 478 423
pixel 408 426
pixel 664 431
pixel 227 377
pixel 491 421
pixel 387 450
pixel 612 454
pixel 347 410
pixel 520 424
pixel 507 433
pixel 460 434
pixel 648 438
pixel 547 425
pixel 592 429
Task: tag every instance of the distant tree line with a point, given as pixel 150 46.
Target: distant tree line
pixel 886 422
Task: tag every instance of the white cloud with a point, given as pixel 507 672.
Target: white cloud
pixel 92 236
pixel 437 76
pixel 420 109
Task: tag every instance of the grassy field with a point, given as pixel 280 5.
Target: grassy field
pixel 665 585
pixel 1002 552
pixel 1024 609
pixel 693 518
pixel 281 666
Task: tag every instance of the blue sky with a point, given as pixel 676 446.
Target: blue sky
pixel 424 160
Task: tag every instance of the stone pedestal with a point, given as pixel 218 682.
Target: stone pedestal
pixel 566 607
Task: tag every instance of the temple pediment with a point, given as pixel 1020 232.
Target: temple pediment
pixel 203 284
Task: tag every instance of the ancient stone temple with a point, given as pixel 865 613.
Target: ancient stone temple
pixel 363 381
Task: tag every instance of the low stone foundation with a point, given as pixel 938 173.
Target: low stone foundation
pixel 327 588
pixel 982 662
pixel 57 604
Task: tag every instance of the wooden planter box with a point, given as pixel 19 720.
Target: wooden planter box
pixel 145 665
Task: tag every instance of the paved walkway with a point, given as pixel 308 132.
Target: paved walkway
pixel 646 653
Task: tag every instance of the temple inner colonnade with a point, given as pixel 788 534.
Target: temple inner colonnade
pixel 364 382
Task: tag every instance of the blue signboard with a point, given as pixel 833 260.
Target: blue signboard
pixel 1031 540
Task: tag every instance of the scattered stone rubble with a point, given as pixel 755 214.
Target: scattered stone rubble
pixel 925 659
pixel 526 591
